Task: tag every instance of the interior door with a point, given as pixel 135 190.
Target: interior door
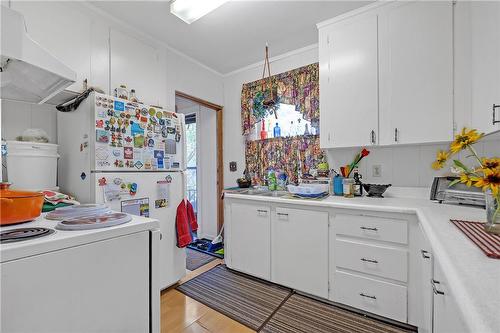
pixel 352 93
pixel 149 194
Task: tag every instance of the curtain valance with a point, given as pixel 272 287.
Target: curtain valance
pixel 299 87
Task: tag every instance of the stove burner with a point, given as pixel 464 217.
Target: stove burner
pixel 20 234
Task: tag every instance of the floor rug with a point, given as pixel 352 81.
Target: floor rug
pixel 247 300
pixel 300 314
pixel 196 259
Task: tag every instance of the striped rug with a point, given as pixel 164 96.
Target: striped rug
pixel 196 259
pixel 246 300
pixel 300 314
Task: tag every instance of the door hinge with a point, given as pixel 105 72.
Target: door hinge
pixel 328 39
pixel 328 286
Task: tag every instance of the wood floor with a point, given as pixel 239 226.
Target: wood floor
pixel 182 314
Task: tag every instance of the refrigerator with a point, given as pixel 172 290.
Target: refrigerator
pixel 130 156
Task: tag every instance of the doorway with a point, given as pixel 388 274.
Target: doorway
pixel 204 158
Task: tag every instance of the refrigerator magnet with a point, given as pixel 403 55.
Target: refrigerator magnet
pixel 102 136
pixel 128 153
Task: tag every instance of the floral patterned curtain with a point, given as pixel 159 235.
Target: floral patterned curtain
pixel 290 155
pixel 299 87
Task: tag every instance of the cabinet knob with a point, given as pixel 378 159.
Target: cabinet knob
pixel 495 106
pixel 425 254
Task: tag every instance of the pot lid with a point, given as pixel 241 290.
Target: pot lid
pixel 5 192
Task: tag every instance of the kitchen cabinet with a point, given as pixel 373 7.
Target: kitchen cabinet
pixel 348 81
pixel 299 250
pixel 250 233
pixel 136 65
pixel 67 35
pixel 420 276
pixel 477 65
pixel 416 72
pixel 446 315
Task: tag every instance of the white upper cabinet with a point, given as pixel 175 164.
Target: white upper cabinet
pixel 63 30
pixel 416 72
pixel 136 65
pixel 477 65
pixel 348 81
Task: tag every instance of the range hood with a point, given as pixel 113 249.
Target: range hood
pixel 28 72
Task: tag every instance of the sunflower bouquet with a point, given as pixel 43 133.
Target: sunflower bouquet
pixel 485 175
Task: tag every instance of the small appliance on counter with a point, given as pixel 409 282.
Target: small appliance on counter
pixel 442 192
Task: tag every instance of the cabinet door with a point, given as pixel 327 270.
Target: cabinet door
pixel 250 239
pixel 420 276
pixel 62 30
pixel 416 72
pixel 299 250
pixel 136 65
pixel 446 318
pixel 485 65
pixel 349 97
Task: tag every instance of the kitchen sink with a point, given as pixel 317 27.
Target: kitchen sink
pixel 266 193
pixel 276 194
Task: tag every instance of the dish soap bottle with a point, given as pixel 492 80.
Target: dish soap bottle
pixel 272 181
pixel 263 133
pixel 277 131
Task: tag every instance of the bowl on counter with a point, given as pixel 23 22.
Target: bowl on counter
pixel 376 190
pixel 244 183
pixel 19 206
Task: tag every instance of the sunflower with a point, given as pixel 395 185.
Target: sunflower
pixel 491 163
pixel 465 139
pixel 490 180
pixel 467 179
pixel 441 158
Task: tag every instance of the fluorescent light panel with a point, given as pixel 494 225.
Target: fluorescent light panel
pixel 191 10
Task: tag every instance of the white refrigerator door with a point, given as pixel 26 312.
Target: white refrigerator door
pixel 154 194
pixel 131 136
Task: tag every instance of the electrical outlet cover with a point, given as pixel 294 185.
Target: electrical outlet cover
pixel 232 166
pixel 377 170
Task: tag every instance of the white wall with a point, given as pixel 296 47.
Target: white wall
pixel 401 166
pixel 234 142
pixel 178 72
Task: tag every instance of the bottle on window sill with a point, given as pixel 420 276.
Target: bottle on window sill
pixel 277 131
pixel 263 133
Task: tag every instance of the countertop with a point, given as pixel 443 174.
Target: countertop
pixel 64 239
pixel 473 277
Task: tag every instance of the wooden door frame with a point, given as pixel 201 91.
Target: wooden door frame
pixel 220 150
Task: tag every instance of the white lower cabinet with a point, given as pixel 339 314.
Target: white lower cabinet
pixel 250 234
pixel 446 315
pixel 372 295
pixel 299 250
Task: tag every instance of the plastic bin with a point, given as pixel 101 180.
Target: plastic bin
pixel 32 165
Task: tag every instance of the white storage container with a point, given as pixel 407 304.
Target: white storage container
pixel 32 165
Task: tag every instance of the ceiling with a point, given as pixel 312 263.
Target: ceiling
pixel 234 35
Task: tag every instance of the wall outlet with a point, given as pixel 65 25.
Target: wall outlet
pixel 232 166
pixel 377 170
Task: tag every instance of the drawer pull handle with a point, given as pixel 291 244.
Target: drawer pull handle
pixel 281 214
pixel 369 260
pixel 425 254
pixel 435 289
pixel 368 228
pixel 261 211
pixel 367 296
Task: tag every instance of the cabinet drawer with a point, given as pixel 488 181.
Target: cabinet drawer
pixel 382 298
pixel 372 259
pixel 372 227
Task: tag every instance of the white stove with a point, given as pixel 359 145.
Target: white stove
pixel 98 280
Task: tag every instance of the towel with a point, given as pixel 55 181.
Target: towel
pixel 185 223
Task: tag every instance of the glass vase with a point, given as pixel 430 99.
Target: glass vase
pixel 492 224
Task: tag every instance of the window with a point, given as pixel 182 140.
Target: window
pixel 289 121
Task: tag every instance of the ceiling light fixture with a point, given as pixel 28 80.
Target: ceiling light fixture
pixel 191 10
